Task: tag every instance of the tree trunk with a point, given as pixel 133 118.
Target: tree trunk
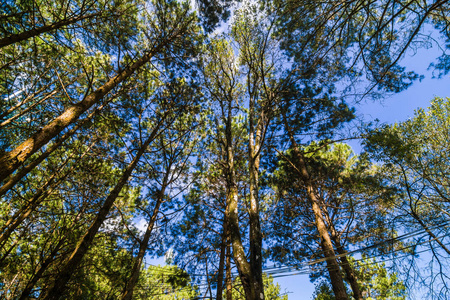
pixel 325 241
pixel 56 290
pixel 25 170
pixel 10 161
pixel 327 247
pixel 240 258
pixel 255 226
pixel 228 272
pixel 135 271
pixel 15 38
pixel 223 246
pixel 351 277
pixel 345 264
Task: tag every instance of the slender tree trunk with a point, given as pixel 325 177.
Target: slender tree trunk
pixel 240 258
pixel 228 272
pixel 208 281
pixel 15 38
pixel 223 246
pixel 327 247
pixel 351 277
pixel 325 241
pixel 57 288
pixel 349 273
pixel 255 226
pixel 10 161
pixel 135 271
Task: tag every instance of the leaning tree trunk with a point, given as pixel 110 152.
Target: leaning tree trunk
pixel 351 276
pixel 15 38
pixel 345 264
pixel 135 271
pixel 333 268
pixel 10 161
pixel 28 168
pixel 327 247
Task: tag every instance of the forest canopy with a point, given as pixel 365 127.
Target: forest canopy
pixel 216 134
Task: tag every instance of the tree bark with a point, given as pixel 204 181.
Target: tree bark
pixel 327 246
pixel 228 272
pixel 349 273
pixel 345 264
pixel 325 241
pixel 25 170
pixel 10 161
pixel 255 226
pixel 240 258
pixel 351 277
pixel 223 246
pixel 15 38
pixel 135 271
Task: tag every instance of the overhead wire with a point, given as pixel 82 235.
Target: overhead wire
pixel 274 270
pixel 395 239
pixel 305 267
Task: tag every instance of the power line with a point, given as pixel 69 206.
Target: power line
pixel 304 268
pixel 396 239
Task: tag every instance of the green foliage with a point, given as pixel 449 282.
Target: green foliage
pixel 321 38
pixel 414 156
pixel 353 198
pixel 272 291
pixel 374 280
pixel 323 291
pixel 214 12
pixel 165 283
